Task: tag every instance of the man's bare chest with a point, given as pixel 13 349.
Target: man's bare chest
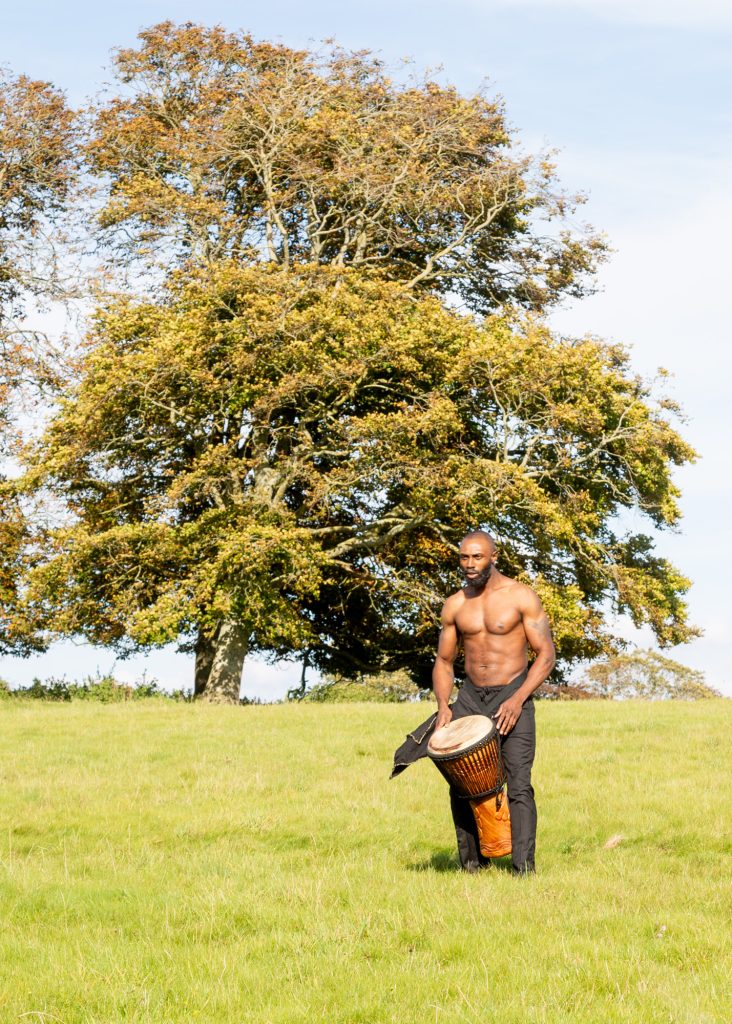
pixel 493 616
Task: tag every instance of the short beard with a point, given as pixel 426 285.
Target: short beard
pixel 479 581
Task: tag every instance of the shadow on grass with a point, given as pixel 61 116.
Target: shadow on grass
pixel 447 861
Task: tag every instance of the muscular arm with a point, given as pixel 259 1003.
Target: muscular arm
pixel 539 638
pixel 443 676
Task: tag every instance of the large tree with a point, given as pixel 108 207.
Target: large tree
pixel 283 460
pixel 37 171
pixel 324 361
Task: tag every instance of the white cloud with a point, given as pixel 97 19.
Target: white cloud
pixel 666 292
pixel 700 14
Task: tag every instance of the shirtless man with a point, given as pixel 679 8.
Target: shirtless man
pixel 498 619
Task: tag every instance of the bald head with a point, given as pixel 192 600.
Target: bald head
pixel 480 537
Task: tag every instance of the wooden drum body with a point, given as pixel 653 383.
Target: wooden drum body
pixel 468 753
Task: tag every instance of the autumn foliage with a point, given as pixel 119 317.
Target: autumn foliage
pixel 220 147
pixel 37 172
pixel 323 360
pixel 297 453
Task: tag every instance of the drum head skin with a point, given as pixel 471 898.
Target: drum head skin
pixel 460 734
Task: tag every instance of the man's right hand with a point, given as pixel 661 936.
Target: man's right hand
pixel 444 715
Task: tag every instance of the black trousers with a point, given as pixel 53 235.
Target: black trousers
pixel 517 749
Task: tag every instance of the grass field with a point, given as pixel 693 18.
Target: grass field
pixel 173 863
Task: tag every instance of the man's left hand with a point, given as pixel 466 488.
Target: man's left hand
pixel 508 714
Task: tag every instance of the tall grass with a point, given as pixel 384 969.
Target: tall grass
pixel 175 863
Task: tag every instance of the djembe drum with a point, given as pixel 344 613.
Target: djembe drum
pixel 468 753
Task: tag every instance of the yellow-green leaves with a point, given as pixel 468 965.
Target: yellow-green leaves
pixel 301 451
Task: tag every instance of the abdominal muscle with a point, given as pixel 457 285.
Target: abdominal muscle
pixel 495 661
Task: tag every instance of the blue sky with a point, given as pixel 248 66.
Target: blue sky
pixel 635 94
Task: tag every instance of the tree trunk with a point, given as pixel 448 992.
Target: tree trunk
pixel 204 660
pixel 298 692
pixel 220 662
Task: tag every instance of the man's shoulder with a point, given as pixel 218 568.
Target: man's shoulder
pixel 454 601
pixel 527 600
pixel 519 593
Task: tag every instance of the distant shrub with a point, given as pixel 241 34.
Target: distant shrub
pixel 381 687
pixel 563 691
pixel 49 689
pixel 103 688
pixel 649 675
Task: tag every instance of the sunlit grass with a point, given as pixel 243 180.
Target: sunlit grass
pixel 175 863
